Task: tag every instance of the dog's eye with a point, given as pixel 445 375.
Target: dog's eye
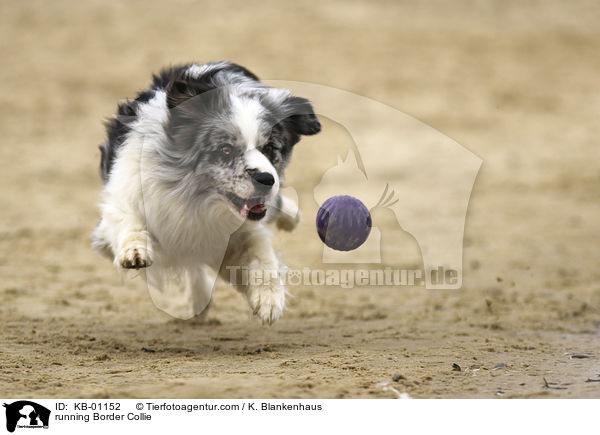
pixel 226 149
pixel 269 150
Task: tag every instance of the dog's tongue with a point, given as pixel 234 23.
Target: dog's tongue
pixel 253 206
pixel 258 208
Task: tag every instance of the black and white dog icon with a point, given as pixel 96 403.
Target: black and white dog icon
pixel 25 413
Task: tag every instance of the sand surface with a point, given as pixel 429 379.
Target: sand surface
pixel 514 82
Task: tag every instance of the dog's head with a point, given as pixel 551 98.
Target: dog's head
pixel 233 136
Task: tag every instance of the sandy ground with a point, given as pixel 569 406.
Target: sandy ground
pixel 515 83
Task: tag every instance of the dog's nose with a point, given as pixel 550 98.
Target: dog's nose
pixel 263 180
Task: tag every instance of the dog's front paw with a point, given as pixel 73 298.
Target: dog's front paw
pixel 136 251
pixel 134 258
pixel 289 217
pixel 267 302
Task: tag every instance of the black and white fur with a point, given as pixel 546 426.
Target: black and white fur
pixel 192 169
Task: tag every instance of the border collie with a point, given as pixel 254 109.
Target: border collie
pixel 192 170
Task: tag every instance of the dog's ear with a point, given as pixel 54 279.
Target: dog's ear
pixel 302 117
pixel 180 90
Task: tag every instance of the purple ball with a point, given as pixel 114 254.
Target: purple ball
pixel 343 223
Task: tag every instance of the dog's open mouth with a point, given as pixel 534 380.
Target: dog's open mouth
pixel 252 208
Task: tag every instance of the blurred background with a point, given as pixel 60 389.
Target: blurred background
pixel 514 82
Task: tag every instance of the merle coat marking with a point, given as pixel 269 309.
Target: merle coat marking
pixel 192 169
